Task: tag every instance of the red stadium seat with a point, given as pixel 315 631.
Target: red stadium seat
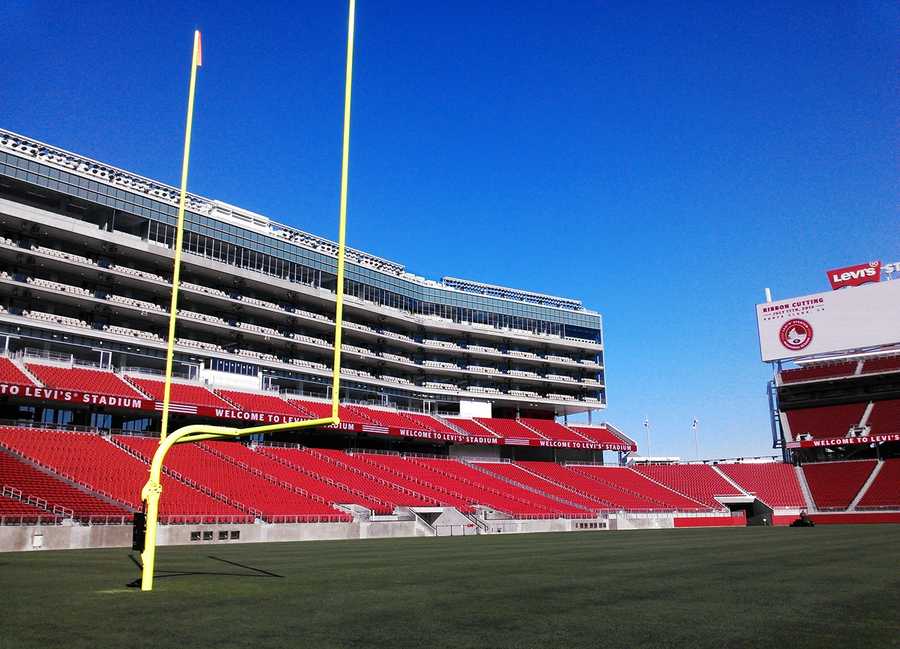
pixel 11 374
pixel 884 492
pixel 81 379
pixel 833 485
pixel 774 483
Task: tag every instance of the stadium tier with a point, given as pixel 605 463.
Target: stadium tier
pixel 834 485
pixel 884 492
pixel 80 379
pixel 698 481
pixel 180 393
pixel 825 421
pixel 819 372
pixel 885 417
pixel 11 374
pixel 774 483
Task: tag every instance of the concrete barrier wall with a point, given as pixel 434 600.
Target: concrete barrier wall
pixel 77 537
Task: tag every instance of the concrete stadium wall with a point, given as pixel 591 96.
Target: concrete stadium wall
pixel 77 537
pixel 63 537
pixel 620 522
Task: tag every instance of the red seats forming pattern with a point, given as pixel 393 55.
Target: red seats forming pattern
pixel 404 472
pixel 319 410
pixel 80 379
pixel 485 489
pixel 834 484
pixel 386 418
pixel 885 417
pixel 472 427
pixel 598 434
pixel 825 421
pixel 33 482
pixel 253 491
pixel 268 403
pixel 884 492
pixel 833 370
pixel 184 393
pixel 291 473
pixel 886 364
pixel 634 482
pixel 508 428
pixel 385 496
pixel 11 374
pixel 427 422
pixel 608 496
pixel 103 468
pixel 18 509
pixel 523 476
pixel 699 481
pixel 391 469
pixel 774 483
pixel 553 430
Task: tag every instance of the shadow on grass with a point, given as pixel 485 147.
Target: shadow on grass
pixel 168 574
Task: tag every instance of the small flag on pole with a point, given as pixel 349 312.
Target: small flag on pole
pixel 199 50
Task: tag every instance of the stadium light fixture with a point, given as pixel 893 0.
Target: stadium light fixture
pixel 152 490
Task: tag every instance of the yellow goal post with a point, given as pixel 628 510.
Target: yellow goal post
pixel 152 490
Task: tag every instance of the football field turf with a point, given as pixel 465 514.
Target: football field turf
pixel 735 587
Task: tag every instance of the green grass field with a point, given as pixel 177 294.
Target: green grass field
pixel 756 587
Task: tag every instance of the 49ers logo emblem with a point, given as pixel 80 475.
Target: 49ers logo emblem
pixel 796 334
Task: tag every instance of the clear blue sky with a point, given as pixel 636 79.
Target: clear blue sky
pixel 664 162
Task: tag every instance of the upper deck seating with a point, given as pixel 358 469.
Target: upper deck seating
pixel 833 370
pixel 11 374
pixel 554 430
pixel 427 422
pixel 699 481
pixel 392 419
pixel 472 427
pixel 254 402
pixel 834 485
pixel 509 429
pixel 825 421
pixel 81 379
pixel 774 483
pixel 884 364
pixel 884 492
pixel 885 417
pixel 599 434
pixel 182 393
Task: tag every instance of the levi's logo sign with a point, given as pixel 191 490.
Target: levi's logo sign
pixel 855 275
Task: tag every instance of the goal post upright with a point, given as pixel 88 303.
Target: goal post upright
pixel 152 490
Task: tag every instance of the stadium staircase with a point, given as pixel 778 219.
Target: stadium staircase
pixel 865 487
pixel 804 488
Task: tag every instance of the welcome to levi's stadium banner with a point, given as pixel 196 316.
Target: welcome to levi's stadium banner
pixel 853 318
pixel 38 393
pixel 845 441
